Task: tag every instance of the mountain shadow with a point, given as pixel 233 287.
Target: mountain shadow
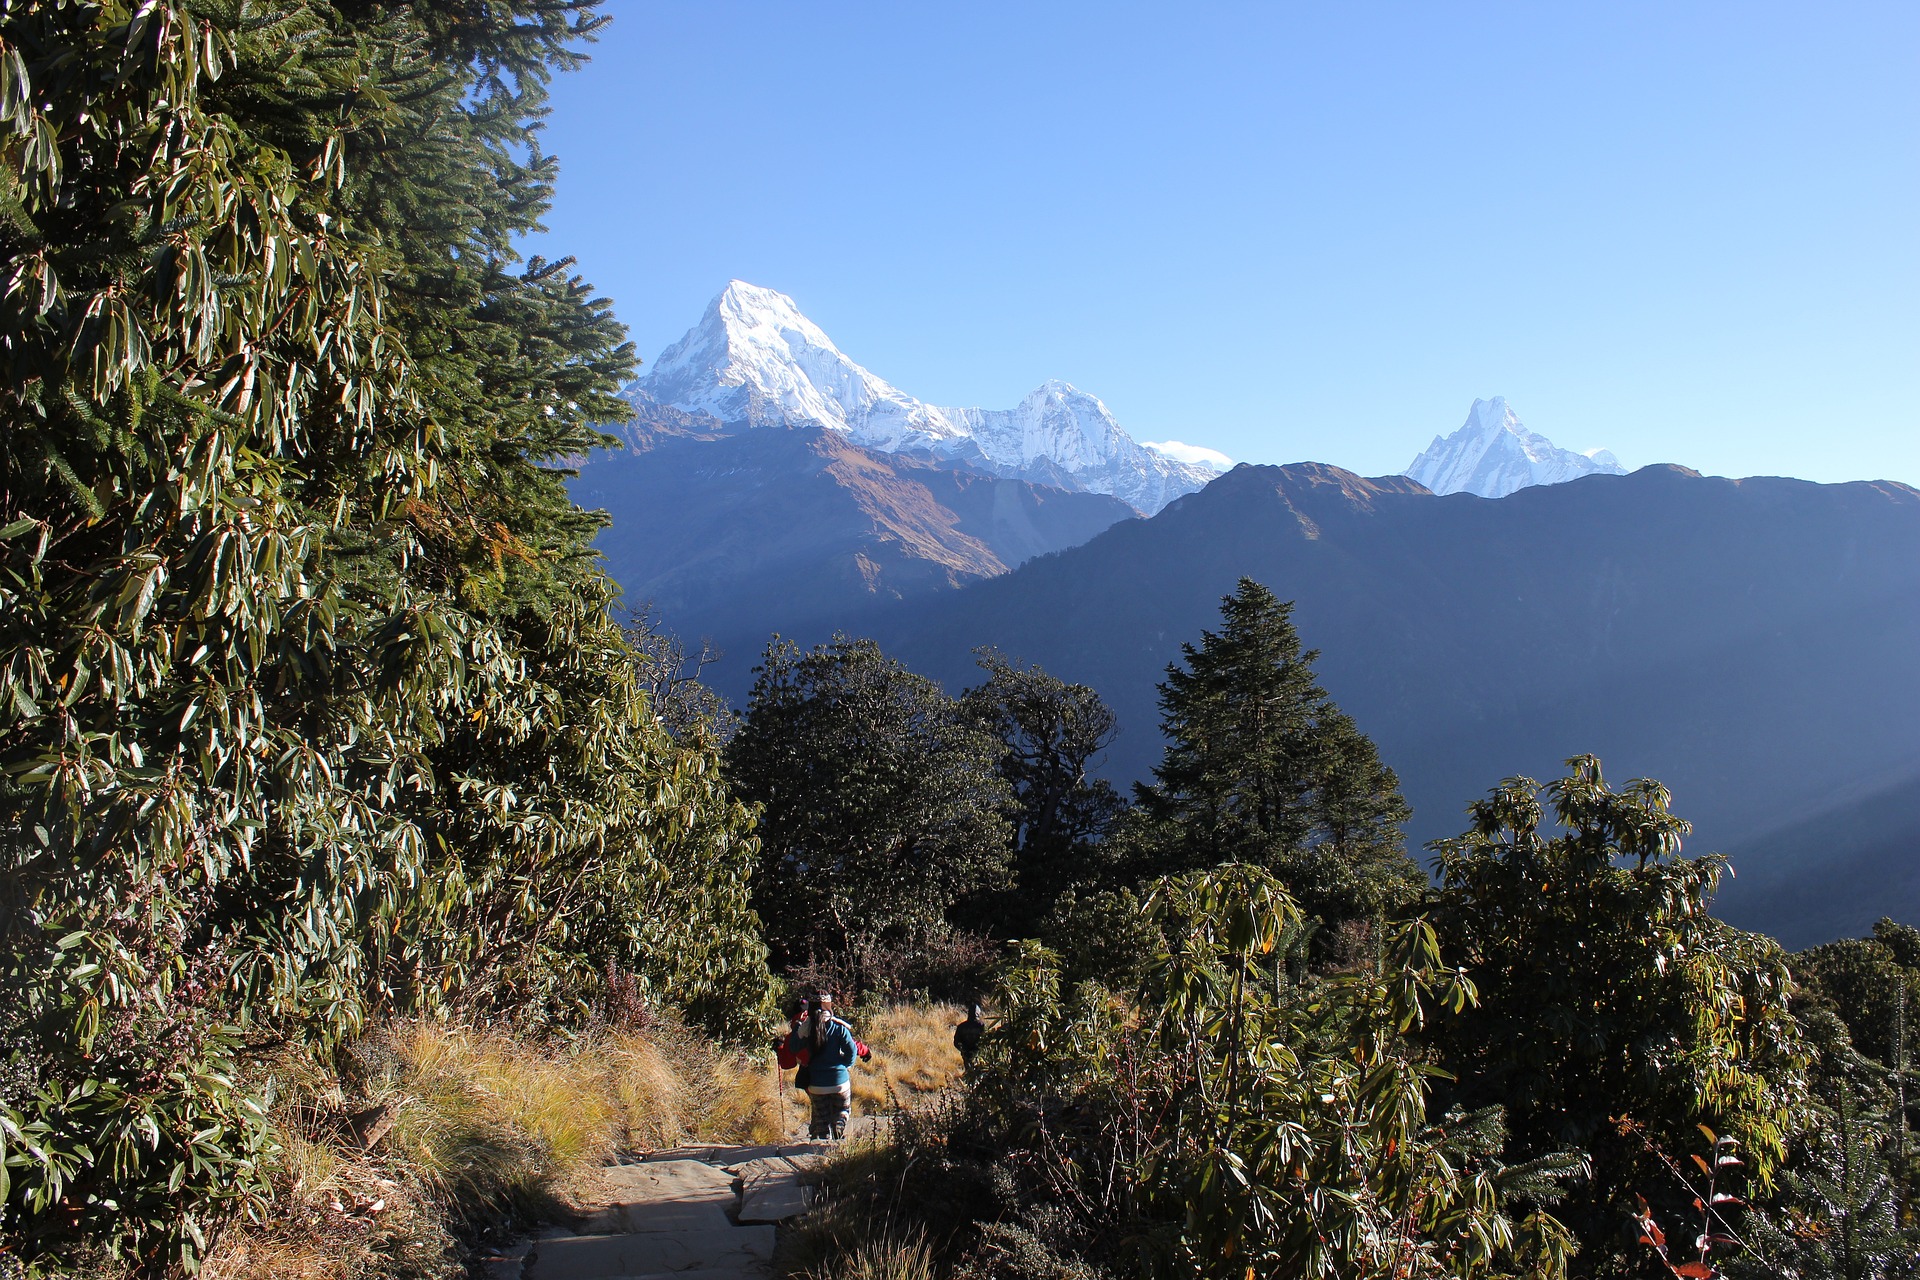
pixel 1751 643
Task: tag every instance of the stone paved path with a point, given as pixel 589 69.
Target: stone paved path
pixel 698 1213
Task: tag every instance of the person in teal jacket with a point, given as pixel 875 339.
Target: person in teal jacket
pixel 827 1048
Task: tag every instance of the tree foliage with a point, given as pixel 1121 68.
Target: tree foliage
pixel 1838 1215
pixel 309 700
pixel 882 803
pixel 1261 767
pixel 1223 1124
pixel 1872 985
pixel 1053 733
pixel 1613 1006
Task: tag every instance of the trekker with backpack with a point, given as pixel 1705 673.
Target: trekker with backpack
pixel 825 1048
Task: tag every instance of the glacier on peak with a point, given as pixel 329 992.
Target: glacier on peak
pixel 1493 454
pixel 1192 454
pixel 755 359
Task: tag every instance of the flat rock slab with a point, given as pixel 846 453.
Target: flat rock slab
pixel 803 1165
pixel 667 1195
pixel 668 1177
pixel 778 1187
pixel 774 1198
pixel 732 1250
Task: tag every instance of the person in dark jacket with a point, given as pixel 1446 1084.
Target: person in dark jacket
pixel 966 1036
pixel 828 1049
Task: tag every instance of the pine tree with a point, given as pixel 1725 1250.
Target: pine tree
pixel 1261 767
pixel 1838 1214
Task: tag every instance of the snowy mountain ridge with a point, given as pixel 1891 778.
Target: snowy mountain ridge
pixel 755 359
pixel 1493 454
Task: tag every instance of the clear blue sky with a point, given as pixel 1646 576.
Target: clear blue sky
pixel 1684 232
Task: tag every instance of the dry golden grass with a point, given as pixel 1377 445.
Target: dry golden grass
pixel 913 1056
pixel 913 1061
pixel 486 1128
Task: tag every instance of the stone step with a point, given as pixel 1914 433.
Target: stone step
pixel 677 1176
pixel 805 1164
pixel 664 1195
pixel 684 1254
pixel 732 1157
pixel 774 1198
pixel 776 1188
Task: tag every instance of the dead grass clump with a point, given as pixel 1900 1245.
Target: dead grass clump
pixel 496 1127
pixel 338 1211
pixel 677 1088
pixel 749 1105
pixel 883 1258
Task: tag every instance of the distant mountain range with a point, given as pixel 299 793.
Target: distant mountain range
pixel 755 361
pixel 1751 643
pixel 768 482
pixel 735 533
pixel 1493 455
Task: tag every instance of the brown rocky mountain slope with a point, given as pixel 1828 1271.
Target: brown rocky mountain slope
pixel 733 534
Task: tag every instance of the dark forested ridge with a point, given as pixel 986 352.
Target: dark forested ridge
pixel 1749 642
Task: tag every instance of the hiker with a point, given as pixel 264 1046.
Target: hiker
pixel 828 1048
pixel 966 1036
pixel 788 1050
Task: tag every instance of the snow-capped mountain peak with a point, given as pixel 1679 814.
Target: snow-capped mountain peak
pixel 754 359
pixel 1494 453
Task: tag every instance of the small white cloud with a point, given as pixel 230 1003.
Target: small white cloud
pixel 1197 455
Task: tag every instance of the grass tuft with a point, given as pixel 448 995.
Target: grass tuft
pixel 886 1258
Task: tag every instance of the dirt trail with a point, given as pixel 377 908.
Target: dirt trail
pixel 697 1213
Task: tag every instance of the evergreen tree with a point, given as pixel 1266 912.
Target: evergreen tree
pixel 310 705
pixel 1261 767
pixel 1870 986
pixel 1839 1213
pixel 882 804
pixel 1052 732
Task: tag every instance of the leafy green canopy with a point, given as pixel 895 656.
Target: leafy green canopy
pixel 1219 1123
pixel 1261 767
pixel 1872 985
pixel 309 702
pixel 1052 732
pixel 882 805
pixel 1615 1013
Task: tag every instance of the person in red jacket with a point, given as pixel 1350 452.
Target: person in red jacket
pixel 785 1050
pixel 825 1048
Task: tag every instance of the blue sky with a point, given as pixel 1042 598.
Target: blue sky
pixel 1684 232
